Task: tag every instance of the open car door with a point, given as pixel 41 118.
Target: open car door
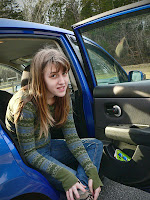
pixel 115 48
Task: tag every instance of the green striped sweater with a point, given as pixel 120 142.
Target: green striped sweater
pixel 26 132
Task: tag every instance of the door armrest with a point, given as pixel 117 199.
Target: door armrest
pixel 130 133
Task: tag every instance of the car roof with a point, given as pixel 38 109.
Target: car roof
pixel 18 24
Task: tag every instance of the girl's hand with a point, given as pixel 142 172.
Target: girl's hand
pixel 74 191
pixel 96 192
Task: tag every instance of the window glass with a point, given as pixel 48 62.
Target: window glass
pixel 9 79
pixel 15 55
pixel 107 70
pixel 127 40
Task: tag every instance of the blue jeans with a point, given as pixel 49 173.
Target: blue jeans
pixel 58 152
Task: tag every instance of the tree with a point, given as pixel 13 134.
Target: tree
pixel 64 13
pixel 61 13
pixel 36 11
pixel 10 9
pixel 94 7
pixel 56 12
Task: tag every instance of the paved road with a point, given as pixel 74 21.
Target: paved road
pixel 116 191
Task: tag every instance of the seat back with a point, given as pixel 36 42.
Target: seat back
pixel 25 76
pixel 4 99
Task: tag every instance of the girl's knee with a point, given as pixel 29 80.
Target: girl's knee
pixel 98 142
pixel 92 142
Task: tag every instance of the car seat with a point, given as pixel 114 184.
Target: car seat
pixel 25 76
pixel 4 99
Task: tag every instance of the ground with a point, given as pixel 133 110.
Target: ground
pixel 116 191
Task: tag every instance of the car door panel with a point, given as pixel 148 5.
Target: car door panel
pixel 130 131
pixel 132 134
pixel 132 89
pixel 134 173
pixel 117 47
pixel 132 99
pixel 134 118
pixel 133 111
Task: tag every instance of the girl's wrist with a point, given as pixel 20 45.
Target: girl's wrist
pixel 93 174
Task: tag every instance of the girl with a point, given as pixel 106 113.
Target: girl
pixel 35 110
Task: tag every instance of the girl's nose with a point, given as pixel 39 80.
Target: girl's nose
pixel 61 80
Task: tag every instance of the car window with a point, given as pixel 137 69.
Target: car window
pixel 127 39
pixel 107 70
pixel 10 79
pixel 15 55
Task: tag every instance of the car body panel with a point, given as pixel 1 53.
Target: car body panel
pixel 9 24
pixel 17 178
pixel 86 94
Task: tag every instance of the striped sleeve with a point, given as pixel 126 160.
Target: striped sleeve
pixel 77 148
pixel 25 134
pixel 75 144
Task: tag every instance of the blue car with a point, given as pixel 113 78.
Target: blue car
pixel 110 90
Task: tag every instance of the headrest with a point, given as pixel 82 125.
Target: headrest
pixel 25 76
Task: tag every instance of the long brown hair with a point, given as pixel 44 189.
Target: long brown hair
pixel 37 89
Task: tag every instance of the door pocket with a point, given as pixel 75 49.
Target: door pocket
pixel 134 172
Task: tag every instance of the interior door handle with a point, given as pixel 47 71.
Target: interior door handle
pixel 115 110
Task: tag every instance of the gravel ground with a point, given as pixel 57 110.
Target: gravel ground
pixel 115 191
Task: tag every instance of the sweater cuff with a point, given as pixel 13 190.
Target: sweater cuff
pixel 93 174
pixel 67 179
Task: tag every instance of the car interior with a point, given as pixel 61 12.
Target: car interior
pixel 18 58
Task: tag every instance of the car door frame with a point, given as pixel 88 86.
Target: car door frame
pixel 100 18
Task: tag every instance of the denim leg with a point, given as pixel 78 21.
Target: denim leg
pixel 94 149
pixel 59 153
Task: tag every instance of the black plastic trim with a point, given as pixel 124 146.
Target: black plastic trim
pixel 128 90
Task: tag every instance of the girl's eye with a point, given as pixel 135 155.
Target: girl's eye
pixel 65 73
pixel 53 76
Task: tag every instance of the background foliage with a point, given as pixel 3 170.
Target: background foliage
pixel 61 13
pixel 10 9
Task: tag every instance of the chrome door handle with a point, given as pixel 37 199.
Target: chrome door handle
pixel 115 111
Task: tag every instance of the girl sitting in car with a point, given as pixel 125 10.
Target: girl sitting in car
pixel 35 110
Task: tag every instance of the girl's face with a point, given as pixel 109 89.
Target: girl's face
pixel 56 82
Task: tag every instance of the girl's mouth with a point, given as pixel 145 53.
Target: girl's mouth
pixel 61 89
